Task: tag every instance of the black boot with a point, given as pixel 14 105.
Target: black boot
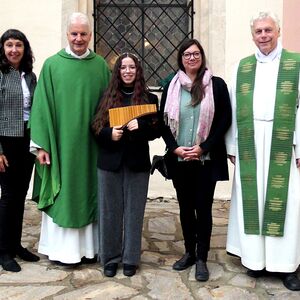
pixel 9 264
pixel 110 270
pixel 26 255
pixel 129 270
pixel 201 273
pixel 291 281
pixel 184 262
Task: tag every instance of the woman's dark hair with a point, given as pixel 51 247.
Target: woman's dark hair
pixel 197 90
pixel 113 96
pixel 27 59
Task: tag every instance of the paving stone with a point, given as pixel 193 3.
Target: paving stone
pixel 86 276
pixel 270 282
pixel 204 294
pixel 28 292
pixel 166 285
pixel 233 264
pixel 162 245
pixel 230 293
pixel 152 257
pixel 33 273
pixel 139 297
pixel 280 295
pixel 242 280
pixel 137 281
pixel 107 290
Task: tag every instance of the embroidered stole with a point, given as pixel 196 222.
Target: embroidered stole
pixel 281 146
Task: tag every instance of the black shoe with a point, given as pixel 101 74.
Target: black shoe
pixel 184 262
pixel 256 273
pixel 26 255
pixel 110 270
pixel 201 273
pixel 67 265
pixel 129 270
pixel 9 264
pixel 291 282
pixel 88 261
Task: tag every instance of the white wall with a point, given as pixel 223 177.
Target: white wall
pixel 42 21
pixel 238 35
pixel 39 20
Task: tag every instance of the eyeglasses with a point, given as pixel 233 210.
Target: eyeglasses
pixel 188 55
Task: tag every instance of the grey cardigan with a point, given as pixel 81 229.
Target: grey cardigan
pixel 11 102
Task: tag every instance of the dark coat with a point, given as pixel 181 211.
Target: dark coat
pixel 214 144
pixel 132 149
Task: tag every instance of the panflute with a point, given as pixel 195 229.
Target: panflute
pixel 120 116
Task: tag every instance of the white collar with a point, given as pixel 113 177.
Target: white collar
pixel 276 53
pixel 84 55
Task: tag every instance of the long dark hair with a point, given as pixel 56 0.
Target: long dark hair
pixel 197 90
pixel 27 59
pixel 113 96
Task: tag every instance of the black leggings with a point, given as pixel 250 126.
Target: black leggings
pixel 14 185
pixel 195 191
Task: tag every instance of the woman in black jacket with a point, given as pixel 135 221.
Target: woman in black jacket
pixel 197 113
pixel 17 84
pixel 123 167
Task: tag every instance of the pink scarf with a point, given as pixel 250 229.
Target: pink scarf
pixel 207 109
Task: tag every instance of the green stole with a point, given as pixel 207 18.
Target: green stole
pixel 281 146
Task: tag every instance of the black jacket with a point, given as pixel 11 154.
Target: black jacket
pixel 132 149
pixel 214 144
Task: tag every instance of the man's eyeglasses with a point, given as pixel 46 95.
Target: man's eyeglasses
pixel 187 55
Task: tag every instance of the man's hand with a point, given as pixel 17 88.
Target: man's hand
pixel 3 163
pixel 43 157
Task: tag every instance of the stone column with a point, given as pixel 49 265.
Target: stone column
pixel 210 30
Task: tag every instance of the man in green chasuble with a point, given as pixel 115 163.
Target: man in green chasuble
pixel 69 87
pixel 264 144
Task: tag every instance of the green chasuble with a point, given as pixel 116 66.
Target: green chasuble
pixel 281 146
pixel 64 104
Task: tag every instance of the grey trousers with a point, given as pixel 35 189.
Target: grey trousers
pixel 122 198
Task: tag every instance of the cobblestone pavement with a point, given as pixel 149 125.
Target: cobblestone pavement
pixel 155 279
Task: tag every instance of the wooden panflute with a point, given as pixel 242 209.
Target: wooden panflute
pixel 120 116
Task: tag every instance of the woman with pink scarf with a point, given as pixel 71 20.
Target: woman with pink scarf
pixel 196 110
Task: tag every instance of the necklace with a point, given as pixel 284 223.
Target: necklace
pixel 127 93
